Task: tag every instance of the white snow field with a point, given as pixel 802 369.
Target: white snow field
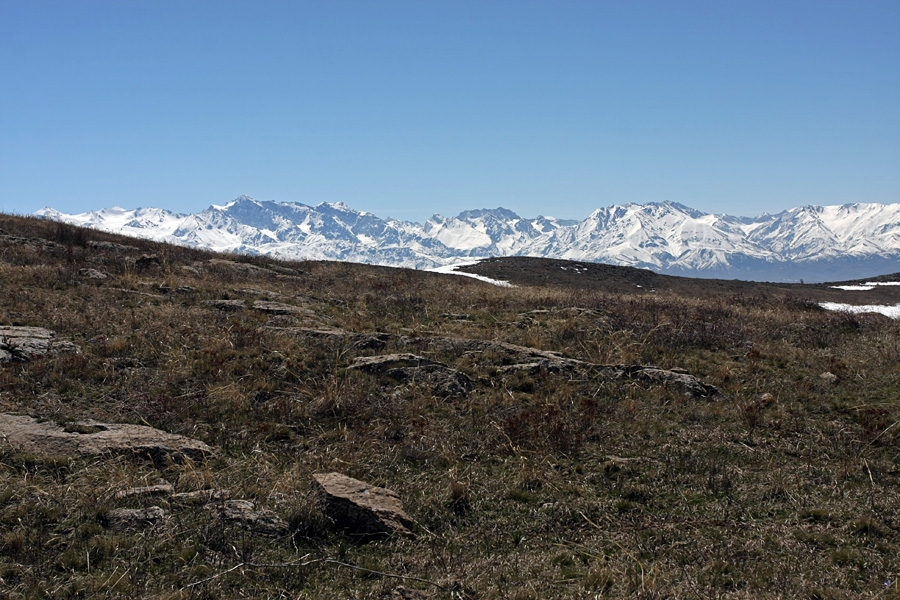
pixel 451 270
pixel 886 310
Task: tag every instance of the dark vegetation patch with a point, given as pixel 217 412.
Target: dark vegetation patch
pixel 537 482
pixel 614 279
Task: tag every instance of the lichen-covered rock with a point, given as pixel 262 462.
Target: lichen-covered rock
pixel 361 508
pixel 27 434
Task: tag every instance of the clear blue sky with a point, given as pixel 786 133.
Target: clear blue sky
pixel 407 108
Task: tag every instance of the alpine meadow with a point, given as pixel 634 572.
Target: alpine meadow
pixel 182 424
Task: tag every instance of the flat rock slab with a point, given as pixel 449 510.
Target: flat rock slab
pixel 361 508
pixel 26 343
pixel 27 434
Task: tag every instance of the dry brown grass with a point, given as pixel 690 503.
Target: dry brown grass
pixel 536 485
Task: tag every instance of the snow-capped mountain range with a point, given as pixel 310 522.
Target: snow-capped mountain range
pixel 813 243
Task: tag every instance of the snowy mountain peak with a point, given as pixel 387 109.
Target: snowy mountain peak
pixel 498 213
pixel 816 243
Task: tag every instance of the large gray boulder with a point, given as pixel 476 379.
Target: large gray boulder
pixel 27 434
pixel 361 508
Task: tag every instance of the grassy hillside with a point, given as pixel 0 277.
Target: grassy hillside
pixel 538 482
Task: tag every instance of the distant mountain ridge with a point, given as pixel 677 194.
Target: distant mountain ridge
pixel 815 243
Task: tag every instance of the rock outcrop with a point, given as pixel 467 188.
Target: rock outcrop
pixel 27 343
pixel 677 380
pixel 244 514
pixel 27 434
pixel 443 380
pixel 360 508
pixel 512 357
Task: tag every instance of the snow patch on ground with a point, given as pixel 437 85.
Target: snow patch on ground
pixel 451 270
pixel 865 287
pixel 888 311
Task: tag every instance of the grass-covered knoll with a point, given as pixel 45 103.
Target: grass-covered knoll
pixel 538 483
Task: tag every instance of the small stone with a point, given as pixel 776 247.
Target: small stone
pixel 92 274
pixel 829 377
